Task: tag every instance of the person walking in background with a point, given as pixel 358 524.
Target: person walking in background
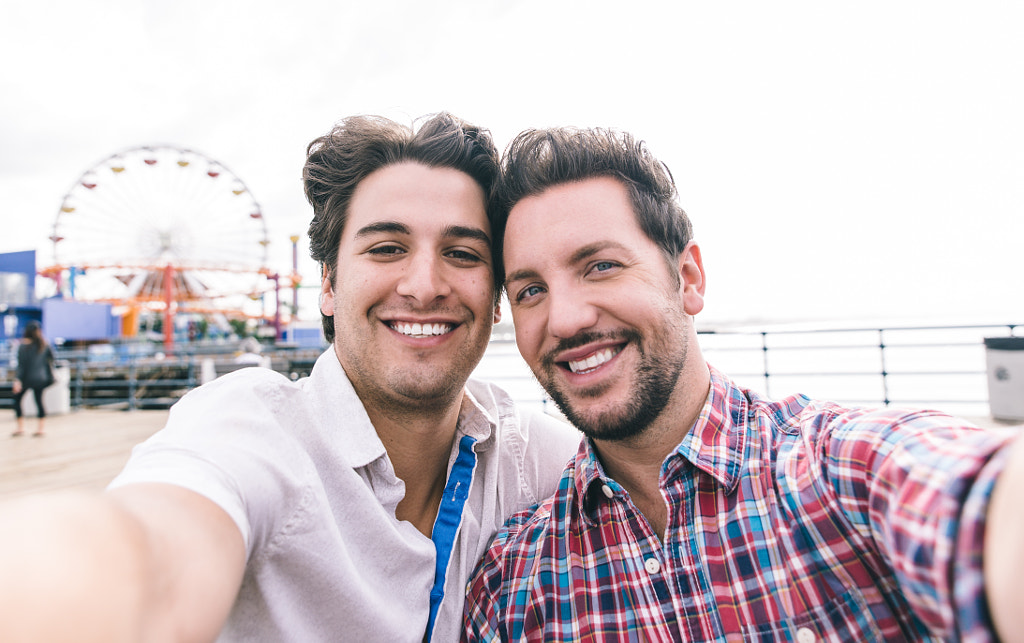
pixel 35 373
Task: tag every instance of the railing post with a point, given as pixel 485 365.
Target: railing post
pixel 885 373
pixel 79 382
pixel 764 359
pixel 132 381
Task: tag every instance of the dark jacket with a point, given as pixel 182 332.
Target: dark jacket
pixel 35 368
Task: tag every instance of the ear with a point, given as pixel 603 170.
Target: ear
pixel 326 296
pixel 692 279
pixel 497 312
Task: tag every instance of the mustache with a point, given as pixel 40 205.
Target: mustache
pixel 586 337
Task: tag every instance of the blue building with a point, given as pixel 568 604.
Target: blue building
pixel 18 304
pixel 61 319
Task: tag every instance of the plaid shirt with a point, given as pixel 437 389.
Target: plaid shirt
pixel 791 521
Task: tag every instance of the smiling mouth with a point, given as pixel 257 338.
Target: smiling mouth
pixel 593 361
pixel 421 330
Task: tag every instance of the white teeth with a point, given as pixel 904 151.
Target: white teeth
pixel 421 330
pixel 592 362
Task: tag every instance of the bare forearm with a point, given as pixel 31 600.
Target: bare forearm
pixel 1004 550
pixel 72 568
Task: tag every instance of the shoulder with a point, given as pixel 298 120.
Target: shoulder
pixel 509 561
pixel 881 427
pixel 523 534
pixel 239 441
pixel 528 541
pixel 548 432
pixel 813 421
pixel 519 419
pixel 241 410
pixel 530 528
pixel 539 444
pixel 242 388
pixel 861 448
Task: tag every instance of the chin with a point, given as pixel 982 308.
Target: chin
pixel 606 421
pixel 429 387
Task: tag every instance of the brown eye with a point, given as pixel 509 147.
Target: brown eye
pixel 386 250
pixel 463 255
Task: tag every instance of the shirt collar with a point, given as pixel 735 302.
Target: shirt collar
pixel 337 404
pixel 337 400
pixel 484 406
pixel 717 441
pixel 715 445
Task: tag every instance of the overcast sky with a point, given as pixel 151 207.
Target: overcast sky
pixel 841 161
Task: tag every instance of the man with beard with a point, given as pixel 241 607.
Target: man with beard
pixel 696 510
pixel 348 506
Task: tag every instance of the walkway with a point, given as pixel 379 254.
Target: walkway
pixel 82 449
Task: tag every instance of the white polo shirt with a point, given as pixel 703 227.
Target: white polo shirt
pixel 300 469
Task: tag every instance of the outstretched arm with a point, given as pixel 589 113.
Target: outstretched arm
pixel 147 562
pixel 1004 550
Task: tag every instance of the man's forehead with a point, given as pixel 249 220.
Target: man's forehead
pixel 589 210
pixel 411 198
pixel 406 228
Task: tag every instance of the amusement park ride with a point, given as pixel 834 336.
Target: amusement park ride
pixel 168 231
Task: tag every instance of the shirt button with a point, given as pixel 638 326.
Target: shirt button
pixel 805 635
pixel 607 491
pixel 653 567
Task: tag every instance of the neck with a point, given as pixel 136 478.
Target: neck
pixel 419 445
pixel 635 463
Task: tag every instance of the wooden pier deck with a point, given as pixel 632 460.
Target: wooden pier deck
pixel 82 449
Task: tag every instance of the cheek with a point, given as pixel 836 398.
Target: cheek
pixel 480 291
pixel 529 334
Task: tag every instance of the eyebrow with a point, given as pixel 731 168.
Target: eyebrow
pixel 449 232
pixel 382 227
pixel 582 254
pixel 466 232
pixel 520 275
pixel 591 249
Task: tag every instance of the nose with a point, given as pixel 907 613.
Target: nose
pixel 569 312
pixel 423 279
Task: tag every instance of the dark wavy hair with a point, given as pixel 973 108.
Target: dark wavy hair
pixel 539 159
pixel 360 145
pixel 34 334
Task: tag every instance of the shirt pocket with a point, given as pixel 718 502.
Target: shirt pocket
pixel 842 619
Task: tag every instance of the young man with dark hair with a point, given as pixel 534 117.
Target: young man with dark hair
pixel 348 506
pixel 695 509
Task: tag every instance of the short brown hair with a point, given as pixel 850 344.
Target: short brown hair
pixel 360 145
pixel 539 159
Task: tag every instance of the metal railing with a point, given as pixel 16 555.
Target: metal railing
pixel 940 367
pixel 137 376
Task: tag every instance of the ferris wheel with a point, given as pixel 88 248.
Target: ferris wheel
pixel 160 224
